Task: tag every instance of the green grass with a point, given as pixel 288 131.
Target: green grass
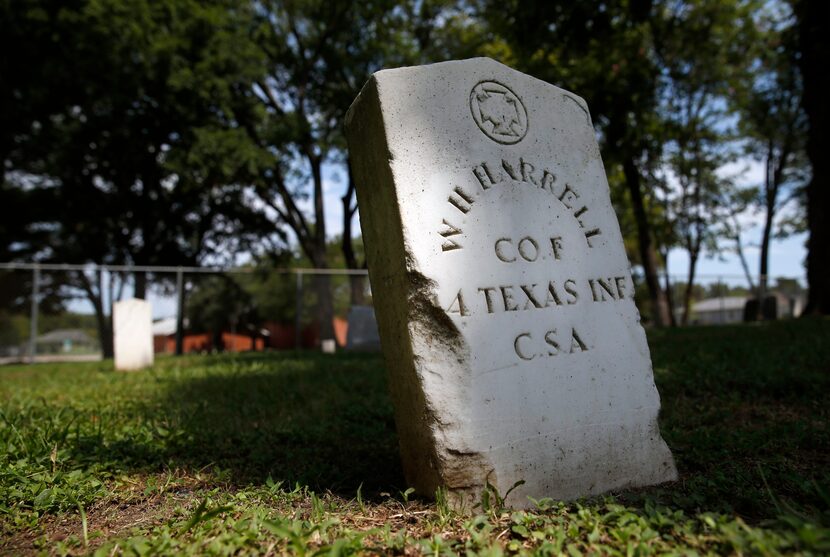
pixel 297 453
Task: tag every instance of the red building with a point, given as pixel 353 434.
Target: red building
pixel 277 336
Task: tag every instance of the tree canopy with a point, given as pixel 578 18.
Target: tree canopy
pixel 184 132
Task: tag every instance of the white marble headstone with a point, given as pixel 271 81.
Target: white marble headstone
pixel 502 290
pixel 132 334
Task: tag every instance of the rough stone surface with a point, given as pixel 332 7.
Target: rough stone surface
pixel 132 334
pixel 502 290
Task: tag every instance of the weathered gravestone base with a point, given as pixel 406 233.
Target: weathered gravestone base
pixel 132 334
pixel 501 286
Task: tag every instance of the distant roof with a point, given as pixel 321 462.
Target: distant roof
pixel 61 335
pixel 719 304
pixel 164 327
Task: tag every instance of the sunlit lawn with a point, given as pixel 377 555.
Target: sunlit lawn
pixel 297 453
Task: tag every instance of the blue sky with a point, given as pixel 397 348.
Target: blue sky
pixel 786 260
pixel 786 257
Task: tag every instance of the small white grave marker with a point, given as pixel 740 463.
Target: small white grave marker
pixel 501 286
pixel 132 334
pixel 328 346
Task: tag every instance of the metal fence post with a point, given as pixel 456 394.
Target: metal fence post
pixel 102 341
pixel 33 319
pixel 179 312
pixel 299 312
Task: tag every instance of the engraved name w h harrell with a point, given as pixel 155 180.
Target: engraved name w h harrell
pixel 492 174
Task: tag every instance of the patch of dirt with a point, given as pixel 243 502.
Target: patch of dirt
pixel 109 518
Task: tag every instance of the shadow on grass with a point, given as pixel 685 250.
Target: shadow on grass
pixel 324 422
pixel 744 411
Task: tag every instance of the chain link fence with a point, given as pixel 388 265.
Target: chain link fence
pixel 64 312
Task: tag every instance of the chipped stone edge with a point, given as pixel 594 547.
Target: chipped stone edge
pixel 407 313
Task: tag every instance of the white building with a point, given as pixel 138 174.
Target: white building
pixel 719 311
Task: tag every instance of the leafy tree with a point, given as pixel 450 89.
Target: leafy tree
pixel 219 303
pixel 789 286
pixel 429 31
pixel 139 160
pixel 731 229
pixel 773 123
pixel 319 54
pixel 305 44
pixel 659 76
pixel 273 294
pixel 701 46
pixel 605 52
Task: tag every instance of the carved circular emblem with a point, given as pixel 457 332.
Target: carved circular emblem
pixel 498 112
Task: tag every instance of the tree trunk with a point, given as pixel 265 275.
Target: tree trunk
pixel 104 334
pixel 357 283
pixel 690 282
pixel 763 276
pixel 357 290
pixel 322 283
pixel 180 301
pixel 102 320
pixel 668 289
pixel 648 259
pixel 739 249
pixel 325 305
pixel 771 184
pixel 815 51
pixel 217 344
pixel 140 287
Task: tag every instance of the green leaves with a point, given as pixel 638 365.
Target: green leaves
pixel 203 514
pixel 139 111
